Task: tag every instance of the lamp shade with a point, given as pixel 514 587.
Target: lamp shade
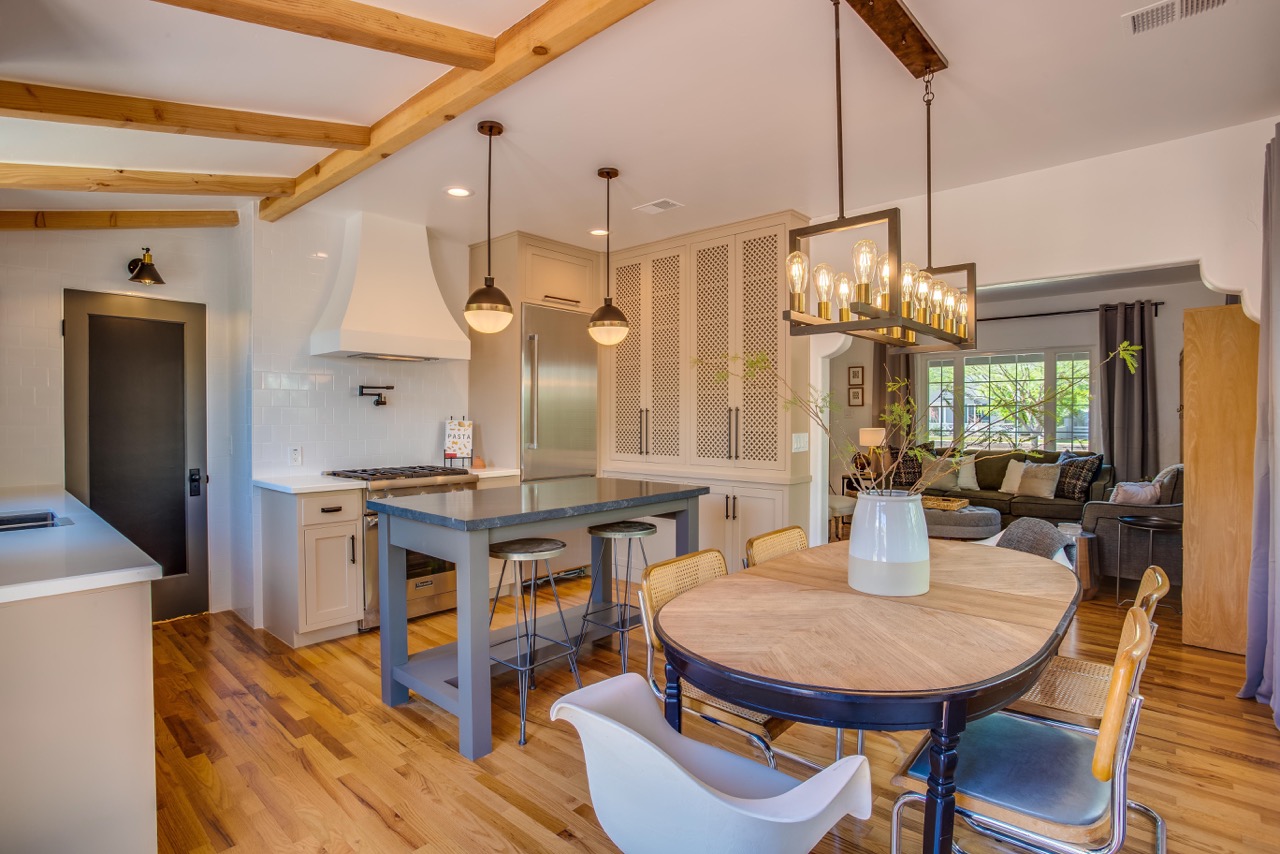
pixel 608 325
pixel 488 309
pixel 144 269
pixel 871 437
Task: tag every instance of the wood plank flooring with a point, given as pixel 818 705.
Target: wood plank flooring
pixel 264 748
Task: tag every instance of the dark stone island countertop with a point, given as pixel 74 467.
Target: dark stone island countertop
pixel 477 509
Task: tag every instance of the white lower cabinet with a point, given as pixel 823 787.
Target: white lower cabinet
pixel 731 514
pixel 313 564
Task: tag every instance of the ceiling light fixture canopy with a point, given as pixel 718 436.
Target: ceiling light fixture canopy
pixel 608 326
pixel 919 302
pixel 144 269
pixel 488 309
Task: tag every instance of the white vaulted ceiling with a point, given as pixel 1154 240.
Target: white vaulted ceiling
pixel 722 105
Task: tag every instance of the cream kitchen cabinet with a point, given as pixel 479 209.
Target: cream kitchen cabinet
pixel 313 564
pixel 644 413
pixel 731 514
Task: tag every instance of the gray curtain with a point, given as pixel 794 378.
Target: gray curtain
pixel 1262 661
pixel 886 367
pixel 1127 402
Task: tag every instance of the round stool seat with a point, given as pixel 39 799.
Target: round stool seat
pixel 529 548
pixel 623 530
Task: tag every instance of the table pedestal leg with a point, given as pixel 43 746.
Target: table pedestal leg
pixel 671 699
pixel 940 800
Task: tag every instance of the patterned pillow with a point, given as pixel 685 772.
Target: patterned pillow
pixel 1077 474
pixel 909 471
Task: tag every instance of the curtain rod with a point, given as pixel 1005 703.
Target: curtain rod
pixel 1057 313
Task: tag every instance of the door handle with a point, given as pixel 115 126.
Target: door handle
pixel 737 438
pixel 728 440
pixel 353 548
pixel 726 507
pixel 533 391
pixel 735 507
pixel 193 482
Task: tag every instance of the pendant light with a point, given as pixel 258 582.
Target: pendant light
pixel 144 269
pixel 608 326
pixel 488 309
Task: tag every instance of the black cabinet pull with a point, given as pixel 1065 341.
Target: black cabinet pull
pixel 330 509
pixel 735 507
pixel 353 548
pixel 726 507
pixel 646 432
pixel 728 441
pixel 737 437
pixel 640 420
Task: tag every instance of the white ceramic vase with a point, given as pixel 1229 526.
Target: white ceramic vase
pixel 889 545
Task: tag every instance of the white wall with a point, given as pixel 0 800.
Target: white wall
pixel 846 421
pixel 299 399
pixel 35 268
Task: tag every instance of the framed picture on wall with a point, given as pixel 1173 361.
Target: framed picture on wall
pixel 855 396
pixel 855 375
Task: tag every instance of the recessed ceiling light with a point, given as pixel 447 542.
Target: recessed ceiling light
pixel 458 192
pixel 599 232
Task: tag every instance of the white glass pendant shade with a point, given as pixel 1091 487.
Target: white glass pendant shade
pixel 488 310
pixel 608 326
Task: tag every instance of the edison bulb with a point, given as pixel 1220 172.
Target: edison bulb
pixel 924 284
pixel 936 298
pixel 824 281
pixel 949 303
pixel 844 291
pixel 798 278
pixel 864 261
pixel 884 274
pixel 910 276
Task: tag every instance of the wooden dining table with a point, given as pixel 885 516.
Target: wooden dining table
pixel 790 638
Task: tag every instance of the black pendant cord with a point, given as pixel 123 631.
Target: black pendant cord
pixel 928 166
pixel 608 237
pixel 488 216
pixel 835 4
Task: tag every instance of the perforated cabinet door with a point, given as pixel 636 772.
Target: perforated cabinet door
pixel 760 427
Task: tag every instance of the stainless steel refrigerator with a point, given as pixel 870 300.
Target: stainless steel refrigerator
pixel 558 394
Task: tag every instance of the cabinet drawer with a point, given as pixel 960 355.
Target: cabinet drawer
pixel 332 507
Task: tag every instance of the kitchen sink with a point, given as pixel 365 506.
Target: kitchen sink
pixel 25 520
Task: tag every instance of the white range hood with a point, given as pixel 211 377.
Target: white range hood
pixel 386 303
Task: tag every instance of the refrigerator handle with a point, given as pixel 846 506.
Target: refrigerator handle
pixel 533 392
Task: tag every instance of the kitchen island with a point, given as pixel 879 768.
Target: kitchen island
pixel 458 527
pixel 75 661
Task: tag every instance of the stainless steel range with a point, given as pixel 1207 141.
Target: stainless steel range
pixel 432 582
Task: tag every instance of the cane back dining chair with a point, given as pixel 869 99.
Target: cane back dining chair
pixel 663 582
pixel 1044 786
pixel 654 790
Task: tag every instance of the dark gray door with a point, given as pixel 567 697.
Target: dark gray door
pixel 135 432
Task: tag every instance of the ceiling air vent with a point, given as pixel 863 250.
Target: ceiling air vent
pixel 660 206
pixel 1151 17
pixel 1168 11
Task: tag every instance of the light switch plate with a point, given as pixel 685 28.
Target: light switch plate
pixel 295 455
pixel 799 442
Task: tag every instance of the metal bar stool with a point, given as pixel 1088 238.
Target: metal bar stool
pixel 617 616
pixel 528 654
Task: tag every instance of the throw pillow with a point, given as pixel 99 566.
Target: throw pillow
pixel 940 473
pixel 1077 474
pixel 1012 477
pixel 1039 480
pixel 1136 493
pixel 909 470
pixel 967 476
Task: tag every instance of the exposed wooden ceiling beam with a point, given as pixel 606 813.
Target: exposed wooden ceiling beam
pixel 893 22
pixel 358 24
pixel 49 103
pixel 552 29
pixel 24 176
pixel 82 220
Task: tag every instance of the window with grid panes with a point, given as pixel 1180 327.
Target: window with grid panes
pixel 1005 400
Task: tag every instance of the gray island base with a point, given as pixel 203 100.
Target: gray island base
pixel 458 527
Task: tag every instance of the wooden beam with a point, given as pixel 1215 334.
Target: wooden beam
pixel 24 176
pixel 553 29
pixel 84 220
pixel 893 22
pixel 358 24
pixel 49 103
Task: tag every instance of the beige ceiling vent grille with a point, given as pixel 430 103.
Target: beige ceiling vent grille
pixel 1145 20
pixel 1195 7
pixel 660 206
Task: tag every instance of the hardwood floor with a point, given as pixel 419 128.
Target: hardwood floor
pixel 264 748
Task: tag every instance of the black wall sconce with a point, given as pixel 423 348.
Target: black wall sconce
pixel 143 270
pixel 379 399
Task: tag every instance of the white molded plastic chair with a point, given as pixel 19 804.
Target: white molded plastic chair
pixel 654 790
pixel 1060 555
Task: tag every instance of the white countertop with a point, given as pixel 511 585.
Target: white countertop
pixel 485 473
pixel 88 554
pixel 296 484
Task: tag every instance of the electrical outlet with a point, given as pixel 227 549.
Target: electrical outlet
pixel 799 442
pixel 295 455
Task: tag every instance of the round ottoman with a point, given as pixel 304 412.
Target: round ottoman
pixel 967 523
